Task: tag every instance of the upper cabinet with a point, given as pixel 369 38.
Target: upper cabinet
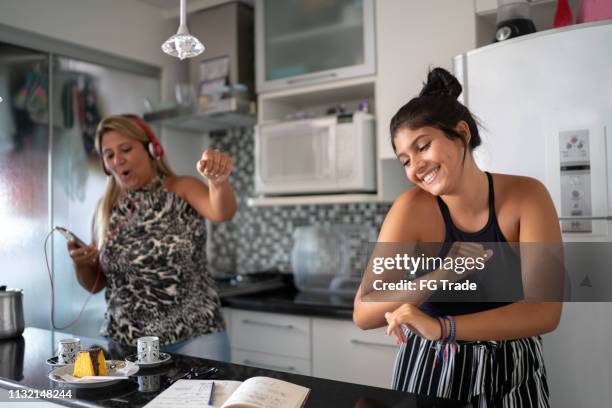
pixel 408 37
pixel 301 42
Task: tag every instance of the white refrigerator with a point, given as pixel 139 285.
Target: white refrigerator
pixel 545 103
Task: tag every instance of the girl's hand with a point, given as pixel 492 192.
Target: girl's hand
pixel 215 165
pixel 83 256
pixel 412 317
pixel 464 250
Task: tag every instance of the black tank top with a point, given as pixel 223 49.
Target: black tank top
pixel 500 279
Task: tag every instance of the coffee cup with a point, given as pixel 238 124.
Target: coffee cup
pixel 67 350
pixel 148 349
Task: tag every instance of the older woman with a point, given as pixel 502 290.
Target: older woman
pixel 149 241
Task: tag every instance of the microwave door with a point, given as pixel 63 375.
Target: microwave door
pixel 296 158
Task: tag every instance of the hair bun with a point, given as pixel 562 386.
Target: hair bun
pixel 440 82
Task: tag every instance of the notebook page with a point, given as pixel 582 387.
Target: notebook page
pixel 267 392
pixel 184 394
pixel 223 390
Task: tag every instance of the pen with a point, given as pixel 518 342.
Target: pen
pixel 212 394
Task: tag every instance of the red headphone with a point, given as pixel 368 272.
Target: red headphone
pixel 153 147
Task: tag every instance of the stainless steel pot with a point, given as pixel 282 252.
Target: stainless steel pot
pixel 11 313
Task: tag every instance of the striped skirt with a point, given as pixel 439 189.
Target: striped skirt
pixel 508 373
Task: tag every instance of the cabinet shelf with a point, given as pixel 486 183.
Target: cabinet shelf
pixel 275 106
pixel 221 115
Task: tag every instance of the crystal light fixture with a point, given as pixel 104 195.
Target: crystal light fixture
pixel 182 44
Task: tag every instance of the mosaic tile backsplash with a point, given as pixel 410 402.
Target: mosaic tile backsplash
pixel 261 238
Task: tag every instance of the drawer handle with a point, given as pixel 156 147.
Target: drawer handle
pixel 278 326
pixel 270 366
pixel 370 343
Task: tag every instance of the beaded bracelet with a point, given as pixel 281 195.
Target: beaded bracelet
pixel 453 329
pixel 446 339
pixel 440 342
pixel 442 329
pixel 452 340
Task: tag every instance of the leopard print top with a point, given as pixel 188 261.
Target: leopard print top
pixel 154 259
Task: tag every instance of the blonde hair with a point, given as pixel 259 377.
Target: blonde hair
pixel 132 127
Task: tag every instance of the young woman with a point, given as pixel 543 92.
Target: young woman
pixel 149 242
pixel 497 360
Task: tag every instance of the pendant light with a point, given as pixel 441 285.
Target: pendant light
pixel 182 44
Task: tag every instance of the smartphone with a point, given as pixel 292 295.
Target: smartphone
pixel 69 235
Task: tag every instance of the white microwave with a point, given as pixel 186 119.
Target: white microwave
pixel 331 154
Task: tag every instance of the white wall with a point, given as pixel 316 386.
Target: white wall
pixel 127 28
pixel 411 37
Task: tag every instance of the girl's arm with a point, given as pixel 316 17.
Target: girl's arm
pixel 370 315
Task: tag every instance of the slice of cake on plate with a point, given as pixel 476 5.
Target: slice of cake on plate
pixel 90 362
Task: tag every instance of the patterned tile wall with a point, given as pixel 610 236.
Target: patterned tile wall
pixel 260 238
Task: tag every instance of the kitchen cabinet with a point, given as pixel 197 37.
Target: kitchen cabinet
pixel 272 361
pixel 410 38
pixel 226 31
pixel 309 42
pixel 271 340
pixel 341 351
pixel 323 347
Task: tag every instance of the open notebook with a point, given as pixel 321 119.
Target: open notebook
pixel 256 392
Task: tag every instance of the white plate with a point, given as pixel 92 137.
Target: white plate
pixel 163 358
pixel 63 375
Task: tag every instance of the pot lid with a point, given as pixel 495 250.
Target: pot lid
pixel 4 292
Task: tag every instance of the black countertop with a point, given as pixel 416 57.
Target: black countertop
pixel 290 301
pixel 287 299
pixel 23 366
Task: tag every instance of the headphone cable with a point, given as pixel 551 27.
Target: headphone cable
pixel 76 319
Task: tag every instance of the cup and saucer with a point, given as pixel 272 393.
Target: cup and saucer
pixel 148 354
pixel 67 350
pixel 163 358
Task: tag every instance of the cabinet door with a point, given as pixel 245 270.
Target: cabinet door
pixel 280 334
pixel 303 42
pixel 293 365
pixel 341 351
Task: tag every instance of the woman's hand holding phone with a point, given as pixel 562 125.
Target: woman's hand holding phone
pixel 83 255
